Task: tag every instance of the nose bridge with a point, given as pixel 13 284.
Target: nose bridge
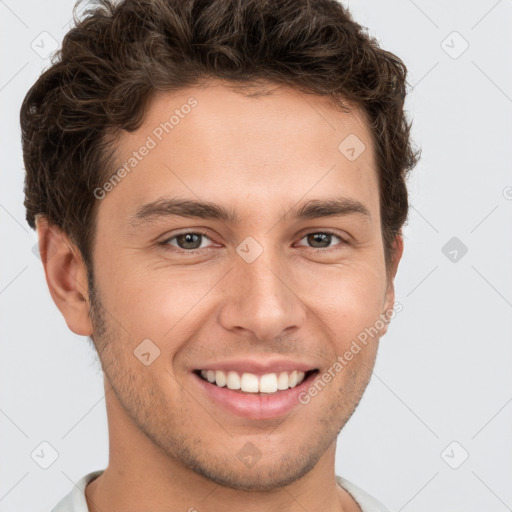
pixel 264 283
pixel 261 300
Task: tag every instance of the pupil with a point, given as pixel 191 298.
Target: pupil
pixel 319 237
pixel 189 240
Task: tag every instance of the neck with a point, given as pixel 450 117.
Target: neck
pixel 140 476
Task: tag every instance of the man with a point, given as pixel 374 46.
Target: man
pixel 219 189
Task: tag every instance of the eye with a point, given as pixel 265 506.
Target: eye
pixel 322 239
pixel 188 241
pixel 194 241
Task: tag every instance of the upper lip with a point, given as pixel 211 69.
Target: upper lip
pixel 258 367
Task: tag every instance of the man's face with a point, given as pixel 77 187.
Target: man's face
pixel 272 287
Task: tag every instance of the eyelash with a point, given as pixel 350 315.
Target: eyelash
pixel 165 243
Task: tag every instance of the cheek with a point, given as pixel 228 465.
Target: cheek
pixel 155 303
pixel 347 300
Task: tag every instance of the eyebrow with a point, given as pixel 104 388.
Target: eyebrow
pixel 312 209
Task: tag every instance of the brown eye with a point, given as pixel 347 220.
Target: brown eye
pixel 321 240
pixel 187 241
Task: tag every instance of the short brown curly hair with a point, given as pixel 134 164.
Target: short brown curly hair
pixel 120 53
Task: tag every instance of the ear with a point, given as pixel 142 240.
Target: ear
pixel 389 299
pixel 66 276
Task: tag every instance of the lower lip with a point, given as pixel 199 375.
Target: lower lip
pixel 260 406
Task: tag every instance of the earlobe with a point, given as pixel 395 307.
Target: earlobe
pixel 66 276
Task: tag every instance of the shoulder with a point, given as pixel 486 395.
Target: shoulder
pixel 75 501
pixel 364 500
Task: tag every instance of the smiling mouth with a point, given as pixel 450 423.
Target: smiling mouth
pixel 255 384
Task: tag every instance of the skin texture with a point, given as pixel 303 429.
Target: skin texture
pixel 171 448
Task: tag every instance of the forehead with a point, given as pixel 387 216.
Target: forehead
pixel 234 148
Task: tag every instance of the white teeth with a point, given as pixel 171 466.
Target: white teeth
pixel 220 378
pixel 250 383
pixel 282 381
pixel 233 380
pixel 268 383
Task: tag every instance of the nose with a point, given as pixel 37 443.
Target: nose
pixel 260 301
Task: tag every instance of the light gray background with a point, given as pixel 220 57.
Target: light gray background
pixel 444 369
